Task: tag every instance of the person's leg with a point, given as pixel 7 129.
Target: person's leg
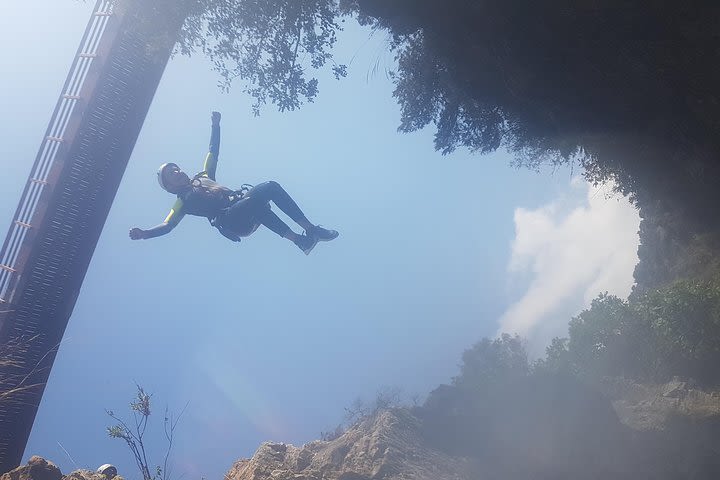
pixel 274 223
pixel 245 215
pixel 272 191
pixel 254 208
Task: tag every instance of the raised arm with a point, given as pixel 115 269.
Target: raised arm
pixel 211 159
pixel 176 214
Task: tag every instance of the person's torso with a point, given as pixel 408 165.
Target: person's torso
pixel 206 198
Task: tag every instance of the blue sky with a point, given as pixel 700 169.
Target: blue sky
pixel 263 342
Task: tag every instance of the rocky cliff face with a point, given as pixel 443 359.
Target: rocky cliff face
pixel 658 407
pixel 388 446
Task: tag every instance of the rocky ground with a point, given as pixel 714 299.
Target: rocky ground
pixel 38 468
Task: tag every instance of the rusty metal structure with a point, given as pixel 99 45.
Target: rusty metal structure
pixel 64 205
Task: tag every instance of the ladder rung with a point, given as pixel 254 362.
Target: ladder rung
pixel 9 269
pixel 23 224
pixel 72 97
pixel 2 300
pixel 54 139
pixel 87 55
pixel 37 180
pixel 102 14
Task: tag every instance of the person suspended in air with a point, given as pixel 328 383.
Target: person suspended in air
pixel 235 213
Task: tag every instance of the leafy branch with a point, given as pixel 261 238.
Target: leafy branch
pixel 134 435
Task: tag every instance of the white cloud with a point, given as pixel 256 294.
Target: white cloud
pixel 571 252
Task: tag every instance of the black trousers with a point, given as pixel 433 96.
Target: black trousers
pixel 245 215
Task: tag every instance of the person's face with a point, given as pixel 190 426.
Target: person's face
pixel 175 179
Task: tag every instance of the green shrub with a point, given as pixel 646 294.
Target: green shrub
pixel 685 319
pixel 672 331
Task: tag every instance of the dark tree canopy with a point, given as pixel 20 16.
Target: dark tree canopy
pixel 629 85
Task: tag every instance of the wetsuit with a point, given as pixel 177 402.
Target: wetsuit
pixel 235 213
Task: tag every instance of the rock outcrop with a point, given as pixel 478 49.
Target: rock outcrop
pixel 38 468
pixel 658 407
pixel 388 446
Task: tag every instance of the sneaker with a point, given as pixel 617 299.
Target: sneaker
pixel 323 234
pixel 306 243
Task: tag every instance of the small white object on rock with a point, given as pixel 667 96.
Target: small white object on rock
pixel 108 471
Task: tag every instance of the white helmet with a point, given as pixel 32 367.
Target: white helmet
pixel 161 173
pixel 109 471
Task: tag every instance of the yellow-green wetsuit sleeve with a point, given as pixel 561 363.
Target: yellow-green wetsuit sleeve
pixel 176 214
pixel 211 159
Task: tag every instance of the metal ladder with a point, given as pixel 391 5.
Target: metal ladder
pixel 42 174
pixel 70 190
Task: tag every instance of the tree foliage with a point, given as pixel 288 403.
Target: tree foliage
pixel 686 321
pixel 627 88
pixel 673 331
pixel 499 408
pixel 611 339
pixel 268 45
pixel 490 361
pixel 491 370
pixel 669 250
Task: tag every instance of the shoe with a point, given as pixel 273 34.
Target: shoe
pixel 323 234
pixel 306 243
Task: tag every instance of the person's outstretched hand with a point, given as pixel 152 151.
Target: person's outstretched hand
pixel 215 117
pixel 137 234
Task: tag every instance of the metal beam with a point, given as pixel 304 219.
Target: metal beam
pixel 68 195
